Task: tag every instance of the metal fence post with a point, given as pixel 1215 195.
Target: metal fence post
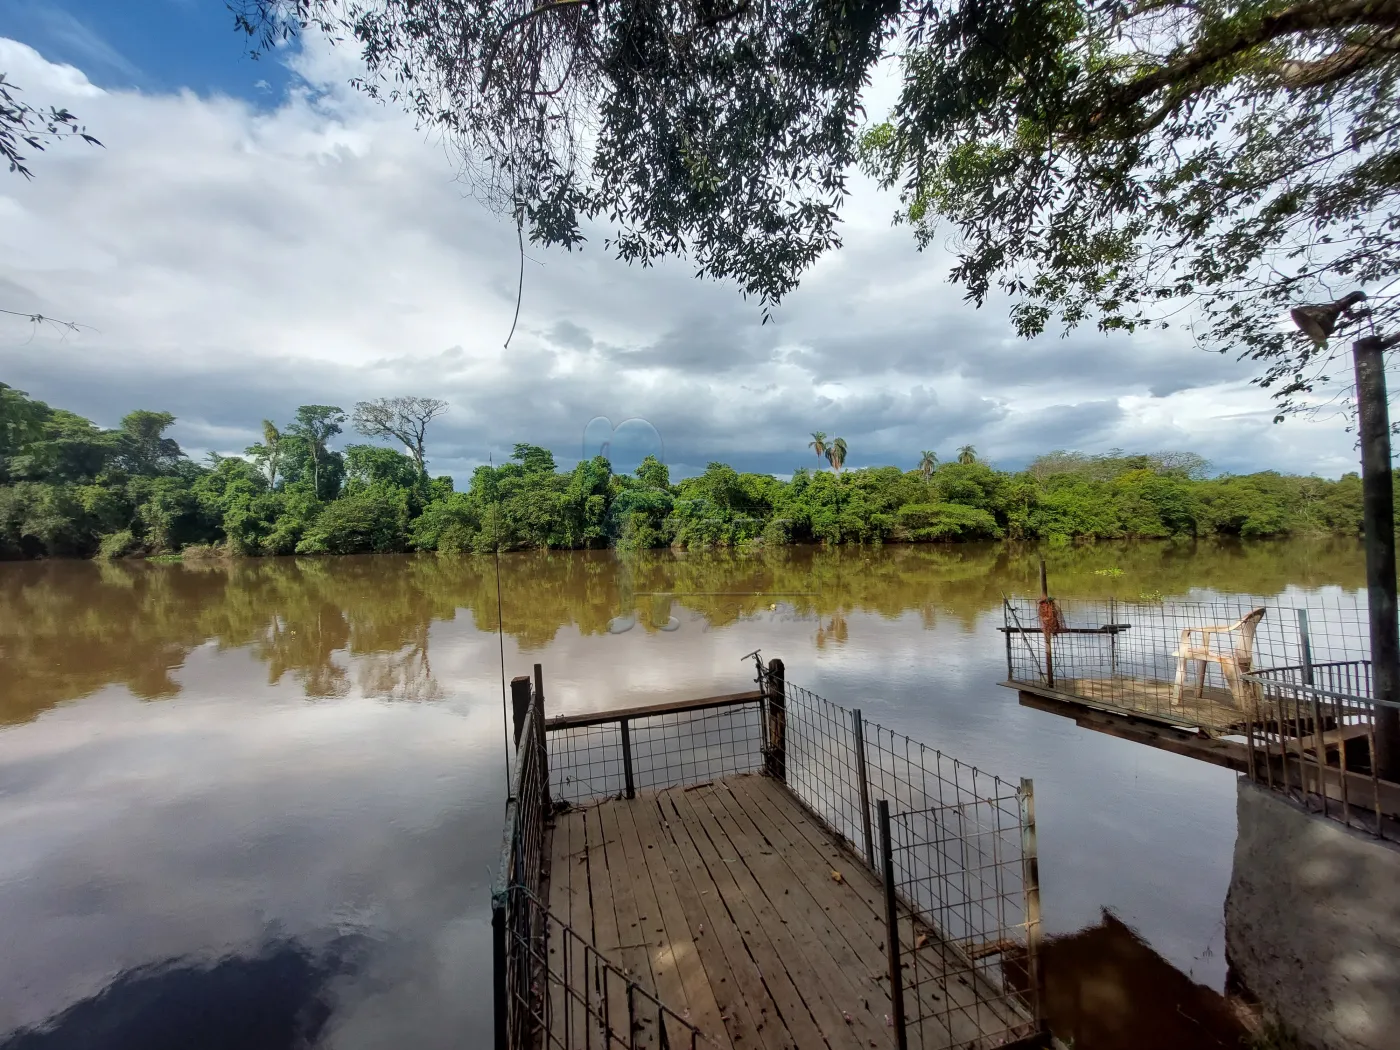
pixel 901 1037
pixel 1030 868
pixel 1006 630
pixel 630 787
pixel 775 691
pixel 544 749
pixel 519 703
pixel 501 1006
pixel 1319 751
pixel 858 727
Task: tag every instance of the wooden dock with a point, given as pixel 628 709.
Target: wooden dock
pixel 750 919
pixel 1215 712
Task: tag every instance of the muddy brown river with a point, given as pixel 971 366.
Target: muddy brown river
pixel 256 804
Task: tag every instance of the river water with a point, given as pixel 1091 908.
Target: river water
pixel 257 804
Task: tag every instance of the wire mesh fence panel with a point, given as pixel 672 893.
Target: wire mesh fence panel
pixel 1176 660
pixel 696 747
pixel 586 762
pixel 570 996
pixel 607 759
pixel 967 973
pixel 959 853
pixel 822 762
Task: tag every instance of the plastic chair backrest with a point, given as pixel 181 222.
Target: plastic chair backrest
pixel 1245 628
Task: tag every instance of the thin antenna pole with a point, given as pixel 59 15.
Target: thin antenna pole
pixel 501 642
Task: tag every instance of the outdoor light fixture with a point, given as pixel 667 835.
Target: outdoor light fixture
pixel 1318 322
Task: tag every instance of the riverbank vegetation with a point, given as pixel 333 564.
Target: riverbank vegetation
pixel 71 488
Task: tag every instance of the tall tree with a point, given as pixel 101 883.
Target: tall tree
pixel 404 419
pixel 142 445
pixel 836 454
pixel 1109 162
pixel 818 443
pixel 316 425
pixel 927 462
pixel 267 454
pixel 967 454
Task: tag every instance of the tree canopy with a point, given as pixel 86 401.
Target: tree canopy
pixel 71 488
pixel 1116 162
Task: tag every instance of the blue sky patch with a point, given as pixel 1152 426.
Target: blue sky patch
pixel 151 45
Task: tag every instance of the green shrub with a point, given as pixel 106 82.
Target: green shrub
pixel 925 522
pixel 374 518
pixel 119 545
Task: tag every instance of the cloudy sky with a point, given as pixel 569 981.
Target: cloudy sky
pixel 254 235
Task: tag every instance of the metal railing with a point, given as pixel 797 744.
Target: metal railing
pixel 1127 656
pixel 1311 735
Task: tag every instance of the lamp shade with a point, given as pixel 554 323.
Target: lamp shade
pixel 1318 322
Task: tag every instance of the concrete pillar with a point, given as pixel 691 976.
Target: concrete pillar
pixel 1312 923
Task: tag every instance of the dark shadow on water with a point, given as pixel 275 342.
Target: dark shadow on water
pixel 1107 990
pixel 277 1000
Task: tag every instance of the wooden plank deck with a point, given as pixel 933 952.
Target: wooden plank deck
pixel 723 899
pixel 1215 711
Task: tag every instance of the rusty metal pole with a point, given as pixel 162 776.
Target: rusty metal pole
pixel 1378 516
pixel 901 1037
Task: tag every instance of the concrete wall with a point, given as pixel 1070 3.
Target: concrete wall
pixel 1312 923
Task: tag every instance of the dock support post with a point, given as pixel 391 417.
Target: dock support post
pixel 1030 877
pixel 628 785
pixel 863 779
pixel 901 1037
pixel 1045 632
pixel 540 742
pixel 519 704
pixel 500 1005
pixel 1378 528
pixel 775 692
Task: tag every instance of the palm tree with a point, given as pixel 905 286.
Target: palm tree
pixel 967 454
pixel 836 454
pixel 818 443
pixel 926 464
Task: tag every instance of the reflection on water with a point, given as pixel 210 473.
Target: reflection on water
pixel 1106 989
pixel 201 761
pixel 277 998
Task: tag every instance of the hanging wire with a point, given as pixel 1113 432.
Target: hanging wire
pixel 501 642
pixel 520 285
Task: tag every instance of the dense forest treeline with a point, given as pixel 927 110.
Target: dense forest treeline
pixel 71 488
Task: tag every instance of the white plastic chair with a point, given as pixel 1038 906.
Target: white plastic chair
pixel 1234 656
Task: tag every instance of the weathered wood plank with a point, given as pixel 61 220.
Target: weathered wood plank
pixel 831 969
pixel 662 953
pixel 788 1004
pixel 703 1011
pixel 632 941
pixel 560 874
pixel 581 922
pixel 772 945
pixel 609 995
pixel 746 1009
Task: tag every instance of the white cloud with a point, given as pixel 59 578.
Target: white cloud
pixel 236 261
